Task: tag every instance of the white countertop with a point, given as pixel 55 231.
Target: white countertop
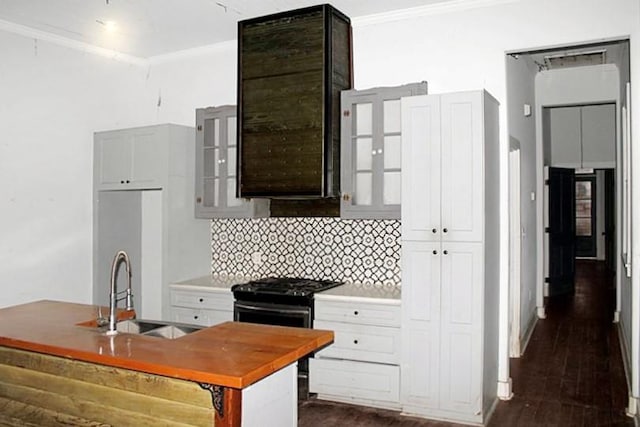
pixel 348 291
pixel 351 291
pixel 213 282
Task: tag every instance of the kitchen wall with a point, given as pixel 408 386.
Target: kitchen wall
pixel 52 99
pixel 521 74
pixel 59 96
pixel 364 252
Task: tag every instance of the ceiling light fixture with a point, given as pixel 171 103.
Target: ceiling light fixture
pixel 109 26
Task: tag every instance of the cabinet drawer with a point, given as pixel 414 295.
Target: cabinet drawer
pixel 362 342
pixel 206 300
pixel 358 312
pixel 200 317
pixel 354 379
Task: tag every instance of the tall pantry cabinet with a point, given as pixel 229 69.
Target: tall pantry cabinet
pixel 450 248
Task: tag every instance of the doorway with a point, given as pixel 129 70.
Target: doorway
pixel 590 74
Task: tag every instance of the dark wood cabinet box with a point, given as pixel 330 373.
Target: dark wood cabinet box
pixel 291 69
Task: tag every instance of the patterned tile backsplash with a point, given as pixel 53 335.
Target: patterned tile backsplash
pixel 354 251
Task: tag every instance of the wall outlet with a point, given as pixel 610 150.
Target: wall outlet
pixel 256 257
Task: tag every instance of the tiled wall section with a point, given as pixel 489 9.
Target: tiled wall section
pixel 356 251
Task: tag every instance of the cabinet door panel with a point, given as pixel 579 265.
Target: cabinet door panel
pixel 460 341
pixel 462 154
pixel 147 160
pixel 598 136
pixel 113 159
pixel 421 165
pixel 421 271
pixel 565 145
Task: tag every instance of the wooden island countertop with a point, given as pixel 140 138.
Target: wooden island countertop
pixel 51 354
pixel 231 354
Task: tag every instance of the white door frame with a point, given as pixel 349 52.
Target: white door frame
pixel 515 253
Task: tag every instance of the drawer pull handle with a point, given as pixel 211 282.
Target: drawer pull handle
pixel 435 252
pixel 445 230
pixel 201 299
pixel 355 341
pixel 446 252
pixel 355 313
pixel 195 317
pixel 434 231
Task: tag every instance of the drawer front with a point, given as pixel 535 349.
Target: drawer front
pixel 358 312
pixel 354 379
pixel 200 317
pixel 206 300
pixel 362 342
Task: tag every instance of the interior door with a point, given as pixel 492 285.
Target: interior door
pixel 586 216
pixel 609 219
pixel 562 246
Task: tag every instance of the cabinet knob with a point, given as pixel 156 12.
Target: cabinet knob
pixel 355 313
pixel 444 230
pixel 128 181
pixel 201 299
pixel 435 252
pixel 122 182
pixel 355 341
pixel 434 231
pixel 195 317
pixel 445 252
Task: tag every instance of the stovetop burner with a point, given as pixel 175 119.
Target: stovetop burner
pixel 282 286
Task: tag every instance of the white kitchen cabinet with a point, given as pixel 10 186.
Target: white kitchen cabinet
pixel 446 189
pixel 130 158
pixel 450 269
pixel 204 306
pixel 216 160
pixel 362 365
pixel 150 216
pixel 582 136
pixel 371 141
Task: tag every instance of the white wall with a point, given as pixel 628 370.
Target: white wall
pixel 521 90
pixel 51 100
pixel 59 97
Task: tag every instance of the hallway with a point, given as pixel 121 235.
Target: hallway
pixel 570 375
pixel 572 371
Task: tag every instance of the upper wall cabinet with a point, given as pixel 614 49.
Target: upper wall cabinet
pixel 371 151
pixel 129 159
pixel 291 69
pixel 216 154
pixel 581 136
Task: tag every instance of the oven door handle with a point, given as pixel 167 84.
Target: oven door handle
pixel 271 310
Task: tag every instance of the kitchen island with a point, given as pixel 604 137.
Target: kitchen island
pixel 57 369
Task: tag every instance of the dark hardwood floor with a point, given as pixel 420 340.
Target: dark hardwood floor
pixel 570 375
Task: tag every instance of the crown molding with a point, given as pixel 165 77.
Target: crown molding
pixel 29 32
pixel 225 46
pixel 427 10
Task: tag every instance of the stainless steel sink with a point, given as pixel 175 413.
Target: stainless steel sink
pixel 153 328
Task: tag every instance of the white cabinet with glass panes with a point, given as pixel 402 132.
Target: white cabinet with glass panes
pixel 372 151
pixel 216 156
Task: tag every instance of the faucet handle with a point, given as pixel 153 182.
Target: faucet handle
pixel 101 320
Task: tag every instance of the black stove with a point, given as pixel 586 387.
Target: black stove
pixel 281 290
pixel 282 301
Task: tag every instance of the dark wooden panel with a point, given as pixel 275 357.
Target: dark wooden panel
pixel 292 67
pixel 325 207
pixel 286 45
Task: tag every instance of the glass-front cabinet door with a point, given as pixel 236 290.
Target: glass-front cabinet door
pixel 216 160
pixel 371 144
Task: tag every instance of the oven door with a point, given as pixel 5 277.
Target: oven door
pixel 272 314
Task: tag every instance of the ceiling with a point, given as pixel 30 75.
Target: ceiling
pixel 612 52
pixel 147 28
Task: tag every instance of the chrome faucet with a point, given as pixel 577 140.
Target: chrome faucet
pixel 114 294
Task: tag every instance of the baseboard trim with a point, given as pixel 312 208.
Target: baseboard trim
pixel 524 341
